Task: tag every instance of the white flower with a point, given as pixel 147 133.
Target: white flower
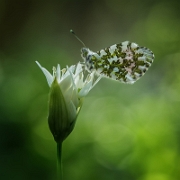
pixel 67 89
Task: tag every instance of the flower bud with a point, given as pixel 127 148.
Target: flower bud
pixel 67 89
pixel 60 122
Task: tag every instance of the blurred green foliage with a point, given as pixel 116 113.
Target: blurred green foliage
pixel 127 132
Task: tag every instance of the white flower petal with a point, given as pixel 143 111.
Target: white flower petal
pixel 49 77
pixel 71 76
pixel 85 90
pixel 58 73
pixel 74 98
pixel 79 81
pixel 71 68
pixel 66 83
pixel 78 69
pixel 70 93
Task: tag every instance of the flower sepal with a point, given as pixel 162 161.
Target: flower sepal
pixel 60 121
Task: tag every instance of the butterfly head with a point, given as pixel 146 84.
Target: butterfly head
pixel 88 55
pixel 84 52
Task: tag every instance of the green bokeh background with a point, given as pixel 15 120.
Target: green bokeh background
pixel 124 132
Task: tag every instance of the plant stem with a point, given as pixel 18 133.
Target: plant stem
pixel 59 161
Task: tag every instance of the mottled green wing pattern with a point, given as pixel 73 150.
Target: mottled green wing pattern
pixel 125 62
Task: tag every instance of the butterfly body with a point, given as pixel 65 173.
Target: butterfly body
pixel 125 62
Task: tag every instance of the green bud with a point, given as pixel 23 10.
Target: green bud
pixel 60 122
pixel 68 87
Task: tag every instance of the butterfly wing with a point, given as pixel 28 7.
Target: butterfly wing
pixel 125 62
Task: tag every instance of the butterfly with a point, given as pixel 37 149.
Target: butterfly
pixel 124 62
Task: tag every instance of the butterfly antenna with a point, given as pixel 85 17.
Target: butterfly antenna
pixel 71 31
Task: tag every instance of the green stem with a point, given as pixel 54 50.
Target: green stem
pixel 59 161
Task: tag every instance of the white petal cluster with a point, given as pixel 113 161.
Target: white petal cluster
pixel 71 79
pixel 73 83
